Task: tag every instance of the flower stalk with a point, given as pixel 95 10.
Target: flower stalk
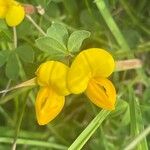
pixel 121 65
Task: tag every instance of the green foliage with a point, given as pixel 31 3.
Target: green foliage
pixel 3 57
pixel 76 39
pixel 115 25
pixel 58 42
pixel 51 46
pixel 12 66
pixel 26 53
pixel 59 33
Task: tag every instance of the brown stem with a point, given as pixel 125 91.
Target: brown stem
pixel 122 65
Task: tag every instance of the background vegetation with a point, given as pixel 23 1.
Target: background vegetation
pixel 124 32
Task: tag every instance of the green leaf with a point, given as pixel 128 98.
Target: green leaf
pixel 89 130
pixel 12 67
pixel 51 46
pixel 3 57
pixel 26 53
pixel 76 39
pixel 59 33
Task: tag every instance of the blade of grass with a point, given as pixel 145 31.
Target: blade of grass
pixel 111 24
pixel 136 123
pixel 24 98
pixel 134 19
pixel 138 139
pixel 6 115
pixel 89 130
pixel 32 135
pixel 37 143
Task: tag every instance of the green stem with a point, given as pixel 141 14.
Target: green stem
pixel 21 141
pixel 36 25
pixel 15 37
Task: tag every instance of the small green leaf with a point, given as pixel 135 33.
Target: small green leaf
pixel 12 67
pixel 51 46
pixel 26 53
pixel 3 57
pixel 76 39
pixel 59 33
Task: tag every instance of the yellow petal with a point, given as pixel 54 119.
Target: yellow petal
pixel 15 14
pixel 4 4
pixel 48 105
pixel 89 63
pixel 102 93
pixel 78 75
pixel 53 73
pixel 3 12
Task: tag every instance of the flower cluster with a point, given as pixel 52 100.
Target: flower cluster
pixel 12 12
pixel 88 73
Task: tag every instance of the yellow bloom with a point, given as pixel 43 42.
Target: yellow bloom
pixel 89 72
pixel 51 76
pixel 12 12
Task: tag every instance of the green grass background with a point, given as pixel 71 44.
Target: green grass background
pixel 121 27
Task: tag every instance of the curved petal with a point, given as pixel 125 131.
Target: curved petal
pixel 102 93
pixel 15 14
pixel 53 73
pixel 89 63
pixel 48 105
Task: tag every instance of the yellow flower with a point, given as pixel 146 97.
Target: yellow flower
pixel 51 76
pixel 89 72
pixel 12 12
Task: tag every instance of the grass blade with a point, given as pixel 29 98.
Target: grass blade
pixel 136 124
pixel 89 130
pixel 138 139
pixel 37 143
pixel 111 24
